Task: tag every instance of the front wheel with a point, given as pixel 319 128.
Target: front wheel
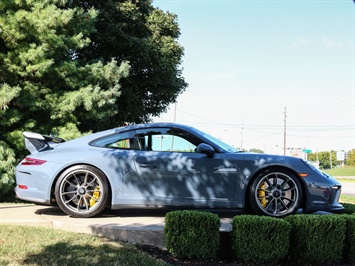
pixel 275 193
pixel 82 191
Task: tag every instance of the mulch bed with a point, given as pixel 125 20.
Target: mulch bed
pixel 164 255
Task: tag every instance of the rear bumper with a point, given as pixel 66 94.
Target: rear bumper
pixel 28 196
pixel 33 183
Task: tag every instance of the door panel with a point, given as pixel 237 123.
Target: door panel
pixel 187 175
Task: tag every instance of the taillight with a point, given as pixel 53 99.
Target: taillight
pixel 32 161
pixel 22 187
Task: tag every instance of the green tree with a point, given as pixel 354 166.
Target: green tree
pixel 312 157
pixel 147 37
pixel 7 161
pixel 326 159
pixel 350 158
pixel 44 85
pixel 70 66
pixel 256 150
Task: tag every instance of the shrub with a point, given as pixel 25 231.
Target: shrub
pixel 349 208
pixel 192 234
pixel 260 239
pixel 317 238
pixel 349 248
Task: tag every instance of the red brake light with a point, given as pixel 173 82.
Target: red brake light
pixel 32 161
pixel 22 187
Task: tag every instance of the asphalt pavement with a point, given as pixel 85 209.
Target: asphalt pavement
pixel 348 188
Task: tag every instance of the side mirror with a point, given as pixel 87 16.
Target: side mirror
pixel 206 149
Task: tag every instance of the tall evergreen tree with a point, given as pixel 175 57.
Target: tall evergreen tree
pixel 45 86
pixel 71 66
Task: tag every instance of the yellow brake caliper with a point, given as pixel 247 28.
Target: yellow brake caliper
pixel 261 194
pixel 95 196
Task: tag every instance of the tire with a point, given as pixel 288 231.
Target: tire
pixel 275 193
pixel 82 191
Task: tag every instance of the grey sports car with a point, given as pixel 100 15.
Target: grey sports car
pixel 167 165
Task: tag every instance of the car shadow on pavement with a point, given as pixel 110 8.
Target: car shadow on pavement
pixel 139 212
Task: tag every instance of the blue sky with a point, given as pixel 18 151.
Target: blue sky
pixel 246 61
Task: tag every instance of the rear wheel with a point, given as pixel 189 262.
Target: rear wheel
pixel 82 191
pixel 275 193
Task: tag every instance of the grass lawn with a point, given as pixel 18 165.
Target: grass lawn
pixel 344 171
pixel 347 199
pixel 25 245
pixel 346 180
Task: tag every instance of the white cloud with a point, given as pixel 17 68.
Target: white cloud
pixel 301 42
pixel 329 43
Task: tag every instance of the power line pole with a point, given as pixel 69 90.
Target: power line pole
pixel 172 139
pixel 175 112
pixel 241 136
pixel 285 131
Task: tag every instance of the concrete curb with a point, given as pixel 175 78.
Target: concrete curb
pixel 22 214
pixel 131 228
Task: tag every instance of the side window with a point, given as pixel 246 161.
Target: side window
pixel 165 142
pixel 129 144
pixel 121 144
pixel 124 140
pixel 165 139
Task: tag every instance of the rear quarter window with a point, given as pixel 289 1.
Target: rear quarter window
pixel 111 141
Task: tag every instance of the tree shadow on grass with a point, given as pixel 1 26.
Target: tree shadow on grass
pixel 63 253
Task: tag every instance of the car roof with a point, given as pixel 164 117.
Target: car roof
pixel 149 125
pixel 96 135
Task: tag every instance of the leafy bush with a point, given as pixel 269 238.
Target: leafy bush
pixel 348 208
pixel 349 248
pixel 317 238
pixel 260 239
pixel 192 234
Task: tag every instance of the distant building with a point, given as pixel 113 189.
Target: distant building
pixel 296 152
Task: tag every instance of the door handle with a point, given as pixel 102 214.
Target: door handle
pixel 194 170
pixel 149 165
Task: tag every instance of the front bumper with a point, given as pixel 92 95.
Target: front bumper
pixel 323 193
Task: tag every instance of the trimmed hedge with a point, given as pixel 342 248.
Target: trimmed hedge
pixel 348 208
pixel 260 239
pixel 349 248
pixel 317 238
pixel 302 239
pixel 192 234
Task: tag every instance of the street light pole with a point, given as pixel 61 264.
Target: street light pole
pixel 285 131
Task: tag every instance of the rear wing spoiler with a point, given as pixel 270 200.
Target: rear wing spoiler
pixel 36 142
